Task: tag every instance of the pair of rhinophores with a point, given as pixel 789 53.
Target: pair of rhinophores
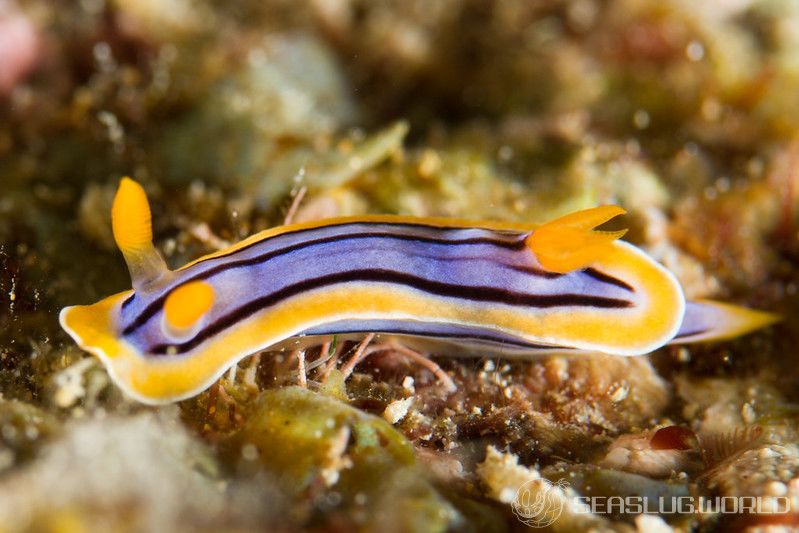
pixel 516 290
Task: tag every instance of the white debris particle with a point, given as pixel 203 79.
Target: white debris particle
pixel 776 488
pixel 641 119
pixel 748 413
pixel 356 163
pixel 649 523
pixel 619 392
pixel 335 459
pixel 249 452
pixel 397 410
pixel 116 133
pixel 69 383
pixel 503 476
pixel 695 51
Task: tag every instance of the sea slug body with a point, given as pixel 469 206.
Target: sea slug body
pixel 515 289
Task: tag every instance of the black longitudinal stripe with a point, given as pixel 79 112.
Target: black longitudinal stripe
pixel 528 269
pixel 607 278
pixel 689 334
pixel 356 223
pixel 441 335
pixel 158 303
pixel 472 293
pixel 511 244
pixel 594 273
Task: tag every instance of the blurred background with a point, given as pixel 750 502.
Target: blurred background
pixel 684 113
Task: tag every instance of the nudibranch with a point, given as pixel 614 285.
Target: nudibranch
pixel 507 288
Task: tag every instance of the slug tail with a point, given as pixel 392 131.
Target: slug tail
pixel 707 320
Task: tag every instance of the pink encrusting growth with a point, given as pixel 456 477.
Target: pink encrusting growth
pixel 19 48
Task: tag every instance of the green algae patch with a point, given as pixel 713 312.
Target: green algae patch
pixel 335 387
pixel 334 459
